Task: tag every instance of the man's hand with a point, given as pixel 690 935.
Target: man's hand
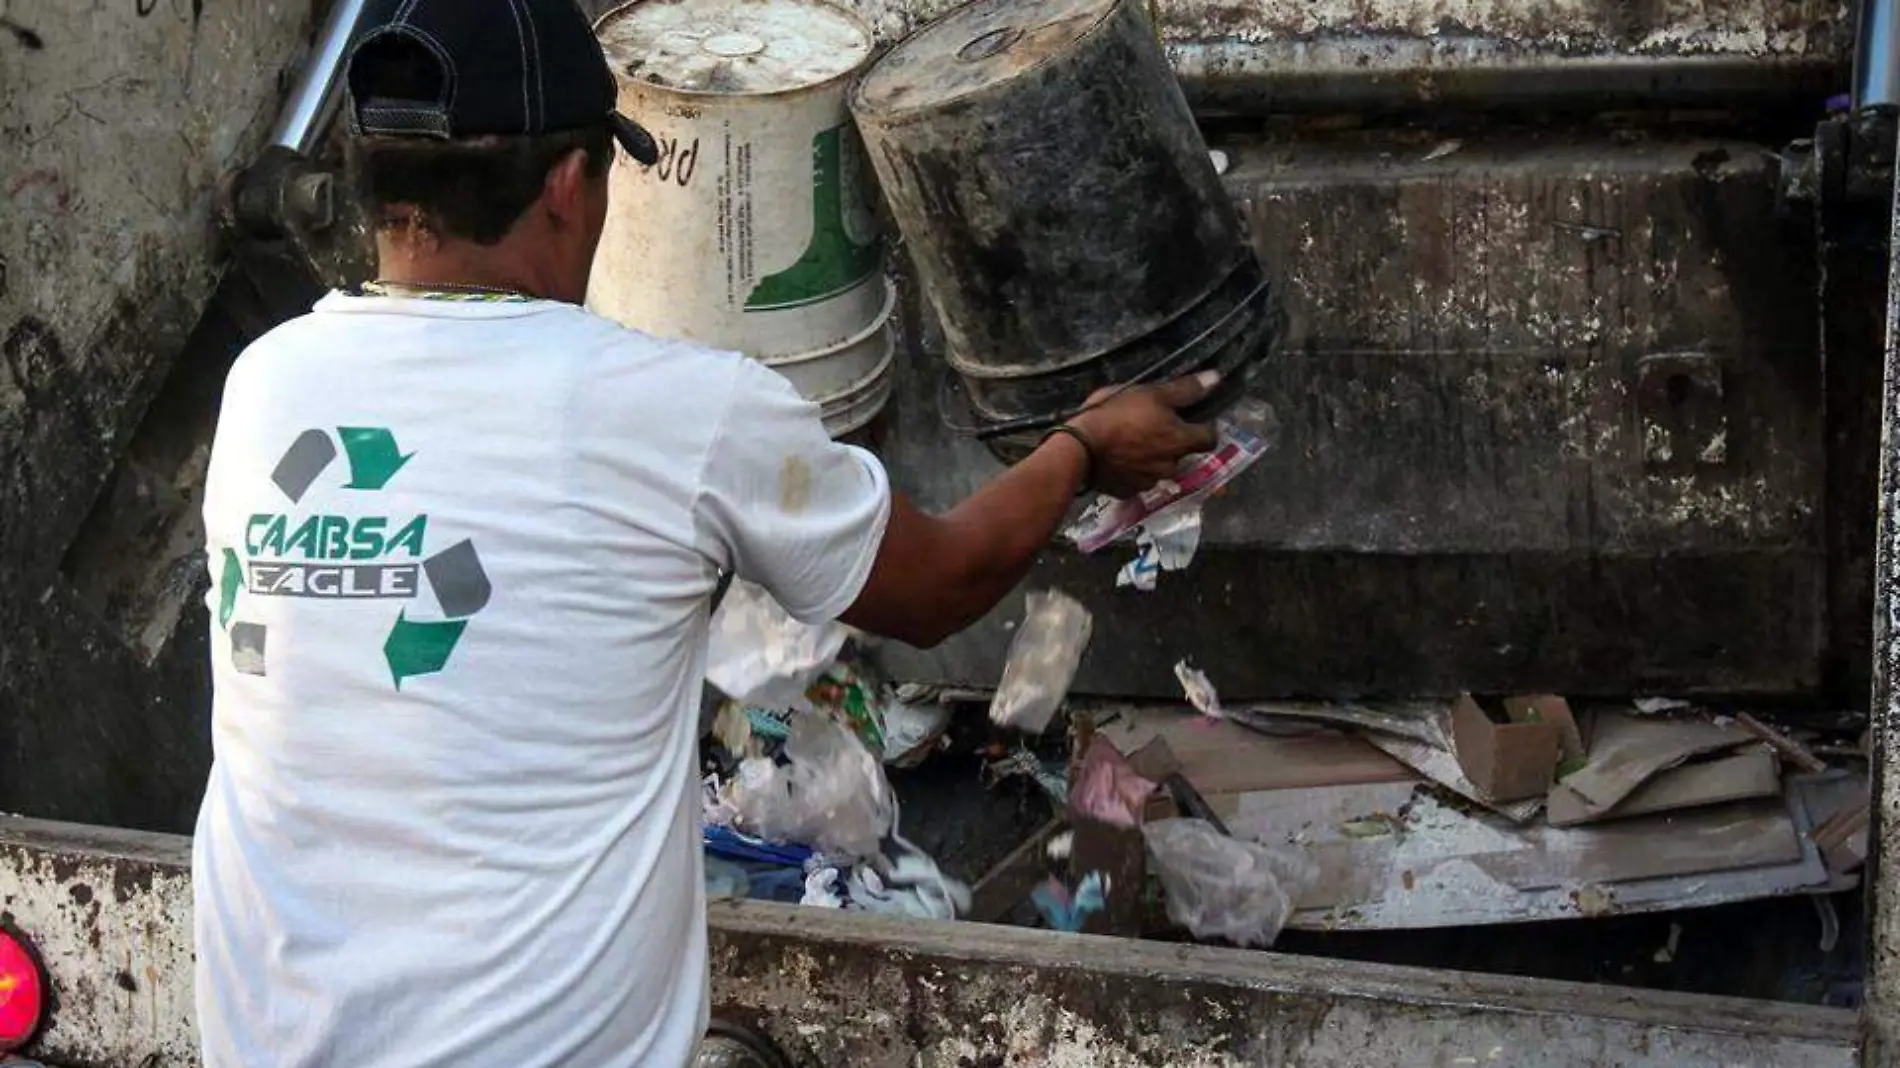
pixel 1137 435
pixel 936 575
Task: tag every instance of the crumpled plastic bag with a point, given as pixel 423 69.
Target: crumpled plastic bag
pixel 1043 658
pixel 1227 888
pixel 757 654
pixel 830 794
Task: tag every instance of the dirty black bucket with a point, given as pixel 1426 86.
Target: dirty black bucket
pixel 1058 203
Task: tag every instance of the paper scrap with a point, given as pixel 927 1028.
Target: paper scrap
pixel 1199 689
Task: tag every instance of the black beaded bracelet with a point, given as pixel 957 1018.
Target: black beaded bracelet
pixel 1088 448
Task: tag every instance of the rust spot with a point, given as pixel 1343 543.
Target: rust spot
pixel 126 982
pixel 81 892
pixel 130 881
pixel 1409 880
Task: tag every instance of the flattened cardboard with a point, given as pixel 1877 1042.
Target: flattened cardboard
pixel 1219 757
pixel 1505 761
pixel 1627 751
pixel 1743 776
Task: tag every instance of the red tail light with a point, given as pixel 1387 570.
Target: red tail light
pixel 22 991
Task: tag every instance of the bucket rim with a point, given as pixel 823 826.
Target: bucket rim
pixel 900 115
pixel 879 376
pixel 881 321
pixel 961 364
pixel 845 78
pixel 864 401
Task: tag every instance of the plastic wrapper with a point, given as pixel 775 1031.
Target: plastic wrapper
pixel 903 733
pixel 911 731
pixel 1066 910
pixel 757 654
pixel 821 890
pixel 1043 658
pixel 1166 542
pixel 1243 437
pixel 912 886
pixel 1226 888
pixel 1106 788
pixel 830 792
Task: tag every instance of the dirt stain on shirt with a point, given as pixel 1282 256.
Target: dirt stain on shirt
pixel 794 485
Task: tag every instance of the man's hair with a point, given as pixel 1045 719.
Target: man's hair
pixel 474 189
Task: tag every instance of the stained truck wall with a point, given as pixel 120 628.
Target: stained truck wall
pixel 111 912
pixel 1475 341
pixel 1549 415
pixel 118 121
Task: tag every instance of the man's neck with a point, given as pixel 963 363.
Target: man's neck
pixel 464 266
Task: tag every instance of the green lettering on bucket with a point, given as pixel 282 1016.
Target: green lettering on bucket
pixel 844 249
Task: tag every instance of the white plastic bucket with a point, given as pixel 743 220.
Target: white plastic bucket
pixel 840 368
pixel 856 405
pixel 754 232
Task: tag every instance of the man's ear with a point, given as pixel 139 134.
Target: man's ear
pixel 566 187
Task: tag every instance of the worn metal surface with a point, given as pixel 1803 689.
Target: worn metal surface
pixel 1549 417
pixel 1347 55
pixel 119 120
pixel 1354 54
pixel 837 989
pixel 1881 1016
pixel 110 910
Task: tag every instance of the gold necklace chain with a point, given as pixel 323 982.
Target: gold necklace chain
pixel 444 291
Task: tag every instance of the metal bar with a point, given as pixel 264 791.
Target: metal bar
pixel 1877 54
pixel 313 101
pixel 1880 1015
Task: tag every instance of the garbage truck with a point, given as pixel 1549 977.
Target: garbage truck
pixel 1581 389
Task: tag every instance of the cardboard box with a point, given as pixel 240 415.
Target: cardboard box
pixel 1514 760
pixel 1554 710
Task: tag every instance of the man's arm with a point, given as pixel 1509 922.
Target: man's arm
pixel 935 576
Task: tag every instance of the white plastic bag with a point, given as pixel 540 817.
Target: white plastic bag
pixel 831 794
pixel 1043 658
pixel 758 655
pixel 1221 887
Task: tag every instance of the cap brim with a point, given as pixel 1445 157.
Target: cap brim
pixel 635 139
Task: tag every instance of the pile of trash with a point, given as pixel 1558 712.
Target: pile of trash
pixel 1233 821
pixel 797 806
pixel 1486 811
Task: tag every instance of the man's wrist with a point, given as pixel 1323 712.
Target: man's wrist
pixel 1078 443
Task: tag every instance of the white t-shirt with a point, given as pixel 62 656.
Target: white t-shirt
pixel 462 555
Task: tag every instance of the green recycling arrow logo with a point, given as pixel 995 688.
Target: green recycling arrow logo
pixel 326 556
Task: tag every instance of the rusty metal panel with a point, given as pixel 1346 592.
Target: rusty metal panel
pixel 1549 417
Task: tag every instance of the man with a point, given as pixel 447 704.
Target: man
pixel 463 537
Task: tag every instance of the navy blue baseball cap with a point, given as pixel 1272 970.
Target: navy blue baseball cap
pixel 500 68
